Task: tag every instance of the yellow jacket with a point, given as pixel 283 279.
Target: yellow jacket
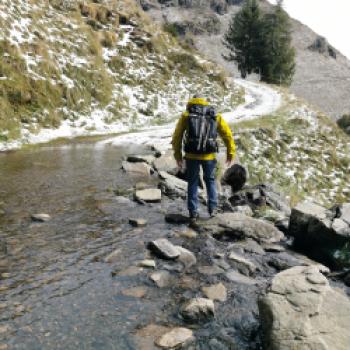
pixel 223 130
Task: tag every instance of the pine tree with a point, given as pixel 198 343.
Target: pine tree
pixel 278 55
pixel 244 40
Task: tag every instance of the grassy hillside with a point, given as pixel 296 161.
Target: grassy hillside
pixel 93 67
pixel 301 151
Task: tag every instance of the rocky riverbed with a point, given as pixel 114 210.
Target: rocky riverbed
pixel 97 253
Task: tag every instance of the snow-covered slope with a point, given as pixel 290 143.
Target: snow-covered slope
pixel 94 68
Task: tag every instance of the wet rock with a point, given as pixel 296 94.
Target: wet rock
pixel 251 246
pixel 238 226
pixel 148 195
pixel 215 292
pixel 210 270
pixel 164 249
pixel 161 278
pixel 41 217
pixel 4 329
pixel 147 263
pixel 198 310
pixel 113 257
pixel 243 209
pixel 317 232
pixel 136 292
pixel 138 222
pixel 130 271
pixel 145 158
pixel 302 311
pixel 238 278
pixel 165 163
pixel 284 261
pixel 187 233
pixel 186 257
pixel 124 201
pixel 137 168
pixel 177 337
pixel 273 248
pixel 173 218
pixel 277 202
pixel 245 266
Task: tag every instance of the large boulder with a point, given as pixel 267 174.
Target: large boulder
pixel 318 232
pixel 238 226
pixel 302 311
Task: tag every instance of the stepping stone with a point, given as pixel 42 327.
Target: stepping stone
pixel 161 278
pixel 186 257
pixel 177 337
pixel 215 292
pixel 243 264
pixel 137 222
pixel 164 249
pixel 147 263
pixel 41 217
pixel 198 309
pixel 149 195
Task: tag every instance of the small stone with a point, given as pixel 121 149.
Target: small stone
pixel 113 257
pixel 5 275
pixel 237 277
pixel 243 209
pixel 19 310
pixel 215 292
pixel 3 347
pixel 149 195
pixel 161 278
pixel 4 329
pixel 210 270
pixel 244 265
pixel 198 309
pixel 175 338
pixel 41 217
pixel 147 263
pixel 137 168
pixel 164 249
pixel 188 233
pixel 130 271
pixel 136 292
pixel 186 257
pixel 138 222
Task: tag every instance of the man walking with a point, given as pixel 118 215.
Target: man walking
pixel 197 129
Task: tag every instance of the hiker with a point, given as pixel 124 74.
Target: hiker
pixel 197 129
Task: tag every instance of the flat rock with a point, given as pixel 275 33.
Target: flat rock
pixel 164 249
pixel 149 195
pixel 147 263
pixel 41 217
pixel 198 310
pixel 137 168
pixel 186 257
pixel 273 248
pixel 237 277
pixel 302 311
pixel 215 292
pixel 175 338
pixel 239 226
pixel 113 256
pixel 165 163
pixel 137 222
pixel 161 278
pixel 187 233
pixel 210 270
pixel 136 292
pixel 244 265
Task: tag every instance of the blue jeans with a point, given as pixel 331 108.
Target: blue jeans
pixel 192 172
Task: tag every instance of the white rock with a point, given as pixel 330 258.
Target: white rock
pixel 149 195
pixel 176 337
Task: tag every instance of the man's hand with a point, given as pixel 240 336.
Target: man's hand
pixel 180 163
pixel 229 161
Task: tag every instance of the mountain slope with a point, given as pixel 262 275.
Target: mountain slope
pixel 81 68
pixel 320 78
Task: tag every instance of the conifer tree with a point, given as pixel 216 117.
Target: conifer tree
pixel 243 38
pixel 278 55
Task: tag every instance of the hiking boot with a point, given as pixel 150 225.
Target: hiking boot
pixel 194 217
pixel 213 213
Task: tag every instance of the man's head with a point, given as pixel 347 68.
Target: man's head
pixel 197 100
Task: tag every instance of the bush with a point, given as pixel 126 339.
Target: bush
pixel 344 123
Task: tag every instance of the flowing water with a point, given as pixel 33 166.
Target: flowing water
pixel 56 291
